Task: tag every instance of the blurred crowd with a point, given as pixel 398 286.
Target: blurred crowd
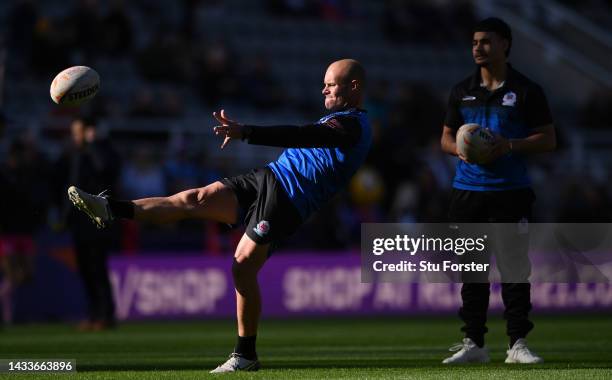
pixel 411 21
pixel 591 9
pixel 399 183
pixel 168 55
pixel 406 177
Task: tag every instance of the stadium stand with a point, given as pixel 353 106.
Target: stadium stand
pixel 166 65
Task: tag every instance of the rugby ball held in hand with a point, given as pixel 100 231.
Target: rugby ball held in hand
pixel 475 143
pixel 75 85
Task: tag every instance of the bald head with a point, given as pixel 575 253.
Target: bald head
pixel 344 84
pixel 348 70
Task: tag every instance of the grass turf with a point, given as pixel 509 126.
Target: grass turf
pixel 377 348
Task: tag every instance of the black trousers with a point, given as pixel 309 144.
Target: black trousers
pixel 512 206
pixel 91 257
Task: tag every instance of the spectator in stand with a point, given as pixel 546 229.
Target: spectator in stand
pixel 294 8
pixel 50 50
pixel 181 172
pixel 377 105
pixel 147 103
pixel 334 10
pixel 418 110
pixel 143 104
pixel 23 214
pixel 22 19
pixel 218 74
pixel 117 38
pixel 143 174
pixel 262 88
pixel 166 57
pixel 584 204
pixel 84 30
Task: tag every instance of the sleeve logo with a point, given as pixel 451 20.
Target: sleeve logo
pixel 262 228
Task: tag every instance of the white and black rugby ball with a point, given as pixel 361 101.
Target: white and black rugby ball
pixel 475 142
pixel 75 86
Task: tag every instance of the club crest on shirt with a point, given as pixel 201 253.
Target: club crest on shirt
pixel 262 228
pixel 509 99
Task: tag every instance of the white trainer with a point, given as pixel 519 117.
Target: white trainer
pixel 520 353
pixel 467 352
pixel 237 363
pixel 95 206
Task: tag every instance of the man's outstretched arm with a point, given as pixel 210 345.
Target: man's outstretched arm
pixel 342 131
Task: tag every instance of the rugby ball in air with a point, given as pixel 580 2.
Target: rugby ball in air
pixel 475 142
pixel 75 85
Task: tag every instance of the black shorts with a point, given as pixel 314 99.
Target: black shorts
pixel 269 213
pixel 511 249
pixel 507 206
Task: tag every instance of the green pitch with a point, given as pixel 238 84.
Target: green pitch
pixel 376 348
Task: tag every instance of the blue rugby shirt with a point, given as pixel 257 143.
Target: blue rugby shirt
pixel 512 111
pixel 321 158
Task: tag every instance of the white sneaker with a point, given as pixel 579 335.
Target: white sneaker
pixel 520 353
pixel 467 352
pixel 95 206
pixel 237 363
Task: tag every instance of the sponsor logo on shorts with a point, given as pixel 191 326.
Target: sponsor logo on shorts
pixel 262 228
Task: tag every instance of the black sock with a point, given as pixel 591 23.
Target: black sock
pixel 245 347
pixel 479 340
pixel 121 209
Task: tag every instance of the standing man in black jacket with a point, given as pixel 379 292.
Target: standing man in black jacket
pixel 92 162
